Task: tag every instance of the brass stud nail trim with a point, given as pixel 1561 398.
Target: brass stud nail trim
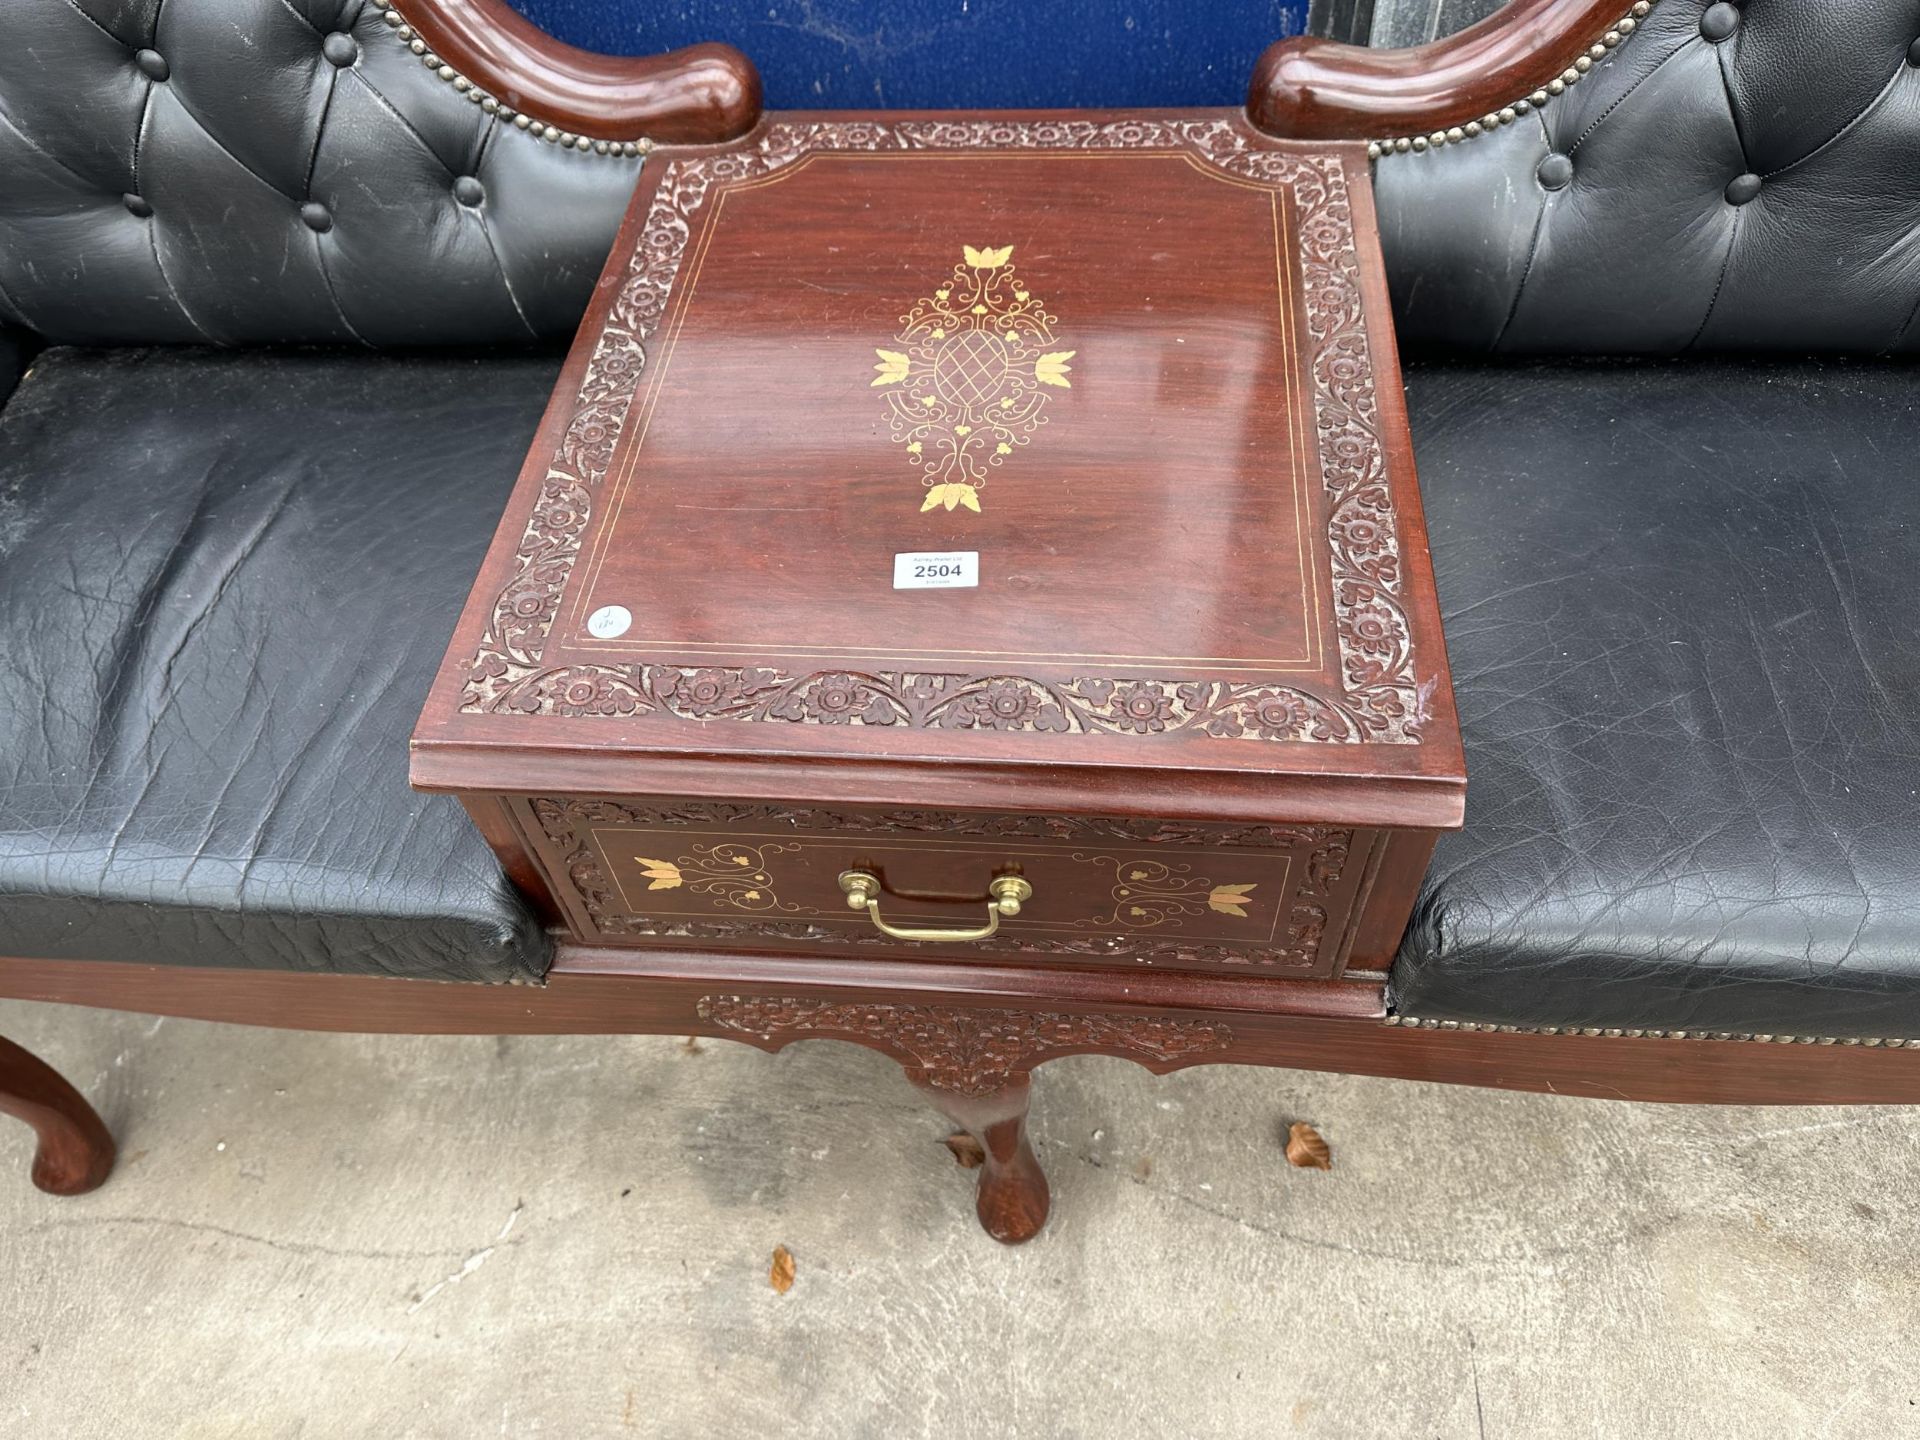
pixel 1415 1022
pixel 1573 74
pixel 552 134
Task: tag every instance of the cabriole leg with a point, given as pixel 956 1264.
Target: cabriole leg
pixel 75 1152
pixel 1013 1199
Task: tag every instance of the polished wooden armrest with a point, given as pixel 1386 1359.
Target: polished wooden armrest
pixel 1313 89
pixel 702 94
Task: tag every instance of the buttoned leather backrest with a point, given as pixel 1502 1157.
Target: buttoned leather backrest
pixel 1730 177
pixel 1390 23
pixel 263 171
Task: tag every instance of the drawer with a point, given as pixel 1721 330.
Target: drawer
pixel 1277 899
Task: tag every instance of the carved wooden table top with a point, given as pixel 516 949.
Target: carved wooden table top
pixel 986 447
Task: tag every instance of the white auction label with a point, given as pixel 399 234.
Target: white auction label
pixel 936 570
pixel 609 622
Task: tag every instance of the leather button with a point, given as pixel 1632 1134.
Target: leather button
pixel 136 206
pixel 1719 22
pixel 469 191
pixel 1555 172
pixel 319 219
pixel 152 64
pixel 340 48
pixel 1742 188
pixel 1913 54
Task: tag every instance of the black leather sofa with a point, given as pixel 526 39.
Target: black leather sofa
pixel 288 352
pixel 200 525
pixel 1678 588
pixel 1676 558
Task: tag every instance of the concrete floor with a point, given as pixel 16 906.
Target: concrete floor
pixel 374 1236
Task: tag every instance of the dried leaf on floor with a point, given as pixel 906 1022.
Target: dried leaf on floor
pixel 781 1275
pixel 1306 1147
pixel 966 1150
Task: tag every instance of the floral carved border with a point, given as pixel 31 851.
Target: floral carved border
pixel 970 1052
pixel 568 825
pixel 1379 699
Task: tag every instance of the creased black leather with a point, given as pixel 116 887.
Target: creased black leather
pixel 136 209
pixel 226 582
pixel 1651 247
pixel 1679 603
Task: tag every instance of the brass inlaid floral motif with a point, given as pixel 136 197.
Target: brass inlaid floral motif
pixel 1150 893
pixel 736 876
pixel 969 383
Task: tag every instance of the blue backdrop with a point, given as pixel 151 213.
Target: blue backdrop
pixel 912 54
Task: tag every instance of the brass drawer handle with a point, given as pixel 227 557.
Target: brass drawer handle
pixel 862 890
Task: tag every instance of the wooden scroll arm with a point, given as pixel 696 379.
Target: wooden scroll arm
pixel 699 95
pixel 1312 89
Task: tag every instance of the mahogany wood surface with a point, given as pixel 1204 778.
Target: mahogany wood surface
pixel 76 1152
pixel 1308 88
pixel 1388 889
pixel 697 95
pixel 492 819
pixel 776 372
pixel 1275 901
pixel 593 993
pixel 578 768
pixel 1176 316
pixel 1013 1198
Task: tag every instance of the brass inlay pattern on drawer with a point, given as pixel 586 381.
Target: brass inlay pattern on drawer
pixel 1151 893
pixel 1246 896
pixel 731 876
pixel 1217 897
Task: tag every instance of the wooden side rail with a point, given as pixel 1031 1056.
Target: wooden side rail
pixel 1312 89
pixel 642 992
pixel 699 95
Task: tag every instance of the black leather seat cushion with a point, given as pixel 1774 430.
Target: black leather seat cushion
pixel 1680 604
pixel 225 584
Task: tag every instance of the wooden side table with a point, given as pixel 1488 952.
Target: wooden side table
pixel 969 597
